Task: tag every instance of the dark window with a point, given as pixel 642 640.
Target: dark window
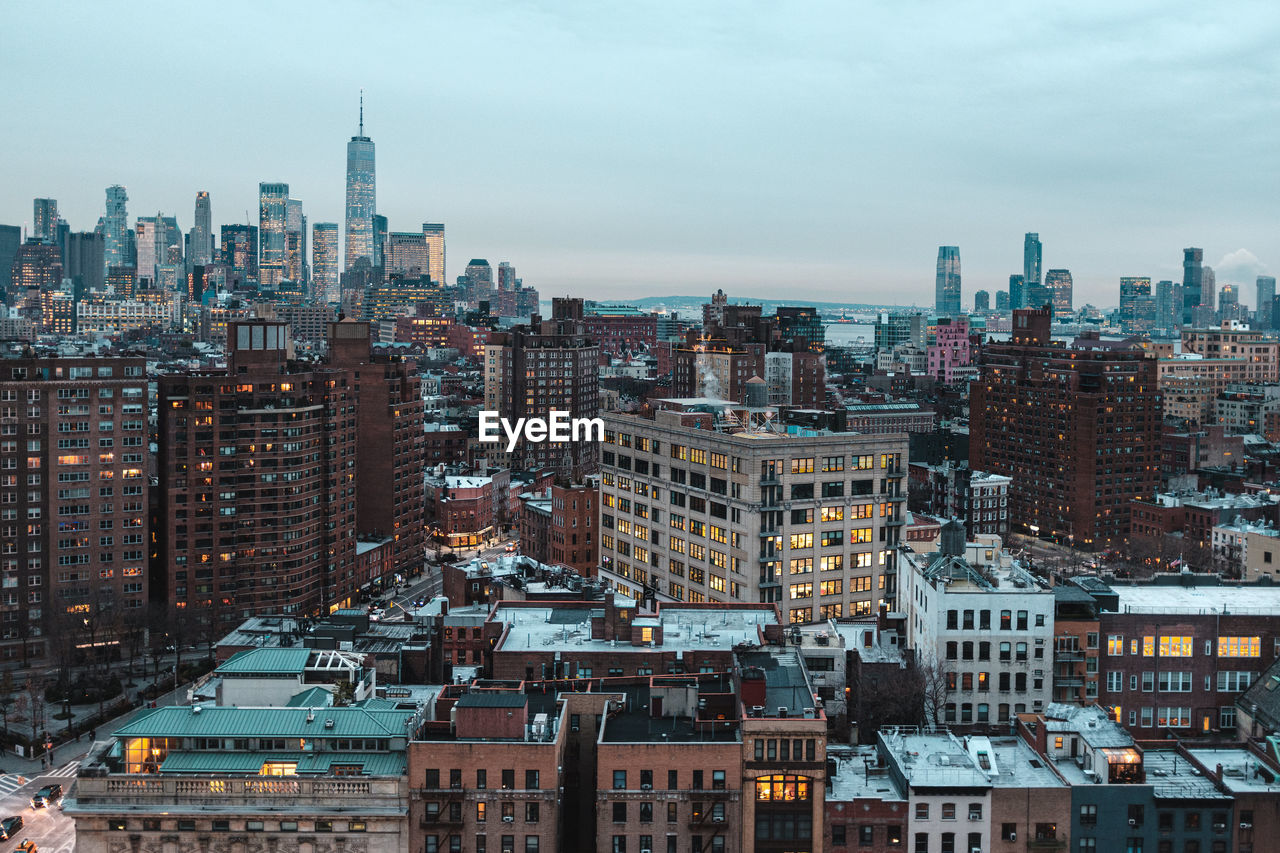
pixel 619 812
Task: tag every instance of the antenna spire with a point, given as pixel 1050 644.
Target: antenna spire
pixel 362 112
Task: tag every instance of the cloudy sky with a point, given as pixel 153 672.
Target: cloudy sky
pixel 822 150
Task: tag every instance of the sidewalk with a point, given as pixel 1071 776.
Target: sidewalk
pixel 75 750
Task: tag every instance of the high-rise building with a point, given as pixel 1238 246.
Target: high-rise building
pixel 1205 313
pixel 1002 300
pixel 379 240
pixel 1266 294
pixel 324 262
pixel 79 571
pixel 201 250
pixel 44 219
pixel 547 365
pixel 285 474
pixel 434 232
pixel 1137 307
pixel 115 230
pixel 981 302
pixel 10 240
pixel 1017 292
pixel 295 230
pixel 947 284
pixel 83 260
pixel 1168 305
pixel 895 330
pixel 806 518
pixel 1058 286
pixel 408 253
pixel 1031 255
pixel 801 325
pixel 240 253
pixel 361 197
pixel 506 276
pixel 148 243
pixel 390 444
pixel 273 206
pixel 1076 428
pixel 1193 284
pixel 37 265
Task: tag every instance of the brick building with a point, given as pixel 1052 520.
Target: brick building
pixel 560 527
pixel 1076 428
pixel 621 329
pixel 74 491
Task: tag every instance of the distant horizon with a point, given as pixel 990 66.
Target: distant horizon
pixel 819 149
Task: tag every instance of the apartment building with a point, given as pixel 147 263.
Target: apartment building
pixel 705 504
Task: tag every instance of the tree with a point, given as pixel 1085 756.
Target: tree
pixel 344 692
pixel 7 689
pixel 37 705
pixel 931 677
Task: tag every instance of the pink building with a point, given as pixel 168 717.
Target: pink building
pixel 949 353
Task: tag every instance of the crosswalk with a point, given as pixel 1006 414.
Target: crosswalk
pixel 11 782
pixel 66 770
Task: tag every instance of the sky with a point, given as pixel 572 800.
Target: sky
pixel 617 150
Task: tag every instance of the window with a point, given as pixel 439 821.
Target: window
pixel 948 811
pixel 1239 647
pixel 508 779
pixel 619 780
pixel 1175 647
pixel 1115 644
pixel 619 812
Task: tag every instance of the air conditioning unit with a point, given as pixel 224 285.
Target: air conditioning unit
pixel 1219 827
pixel 1246 826
pixel 1133 821
pixel 508 819
pixel 1013 836
pixel 646 787
pixel 718 819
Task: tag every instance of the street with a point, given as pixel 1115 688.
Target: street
pixel 431 583
pixel 49 828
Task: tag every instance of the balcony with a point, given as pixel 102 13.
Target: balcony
pixel 1066 655
pixel 441 819
pixel 1047 845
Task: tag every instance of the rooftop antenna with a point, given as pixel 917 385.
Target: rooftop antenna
pixel 362 112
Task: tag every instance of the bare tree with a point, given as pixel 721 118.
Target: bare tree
pixel 931 676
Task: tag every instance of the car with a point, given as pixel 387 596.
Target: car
pixel 511 547
pixel 9 826
pixel 46 796
pixel 27 846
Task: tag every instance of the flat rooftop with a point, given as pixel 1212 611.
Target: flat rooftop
pixel 933 760
pixel 1173 777
pixel 1191 600
pixel 685 629
pixel 856 776
pixel 634 722
pixel 1242 771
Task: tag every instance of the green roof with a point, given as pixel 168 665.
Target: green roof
pixel 309 763
pixel 266 662
pixel 314 697
pixel 182 721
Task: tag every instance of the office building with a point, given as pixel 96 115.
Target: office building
pixel 408 253
pixel 1235 341
pixel 801 328
pixel 115 230
pixel 805 518
pixel 1193 294
pixel 1058 286
pixel 37 266
pixel 1266 296
pixel 434 232
pixel 387 298
pixel 981 302
pixel 295 231
pixel 44 219
pixel 1168 305
pixel 1137 307
pixel 895 330
pixel 1077 428
pixel 1002 300
pixel 240 253
pixel 10 241
pixel 83 261
pixel 1017 292
pixel 948 355
pixel 547 365
pixel 201 249
pixel 273 211
pixel 947 284
pixel 324 262
pixel 361 204
pixel 75 501
pixel 506 276
pixel 379 240
pixel 1032 250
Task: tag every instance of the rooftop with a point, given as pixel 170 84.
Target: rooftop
pixel 932 760
pixel 1173 776
pixel 1191 600
pixel 566 628
pixel 267 662
pixel 1090 722
pixel 214 721
pixel 856 776
pixel 1242 771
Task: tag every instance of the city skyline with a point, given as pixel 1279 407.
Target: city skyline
pixel 608 182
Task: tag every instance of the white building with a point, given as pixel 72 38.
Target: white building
pixel 986 620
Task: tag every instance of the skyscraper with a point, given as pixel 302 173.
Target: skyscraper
pixel 1002 300
pixel 1192 283
pixel 240 252
pixel 379 240
pixel 10 240
pixel 83 261
pixel 1017 292
pixel 947 285
pixel 1266 293
pixel 148 243
pixel 1168 305
pixel 295 230
pixel 201 251
pixel 1031 254
pixel 981 302
pixel 115 229
pixel 1137 308
pixel 407 253
pixel 324 262
pixel 273 202
pixel 1058 285
pixel 361 196
pixel 44 218
pixel 434 232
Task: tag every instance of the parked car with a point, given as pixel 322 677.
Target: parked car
pixel 46 796
pixel 27 846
